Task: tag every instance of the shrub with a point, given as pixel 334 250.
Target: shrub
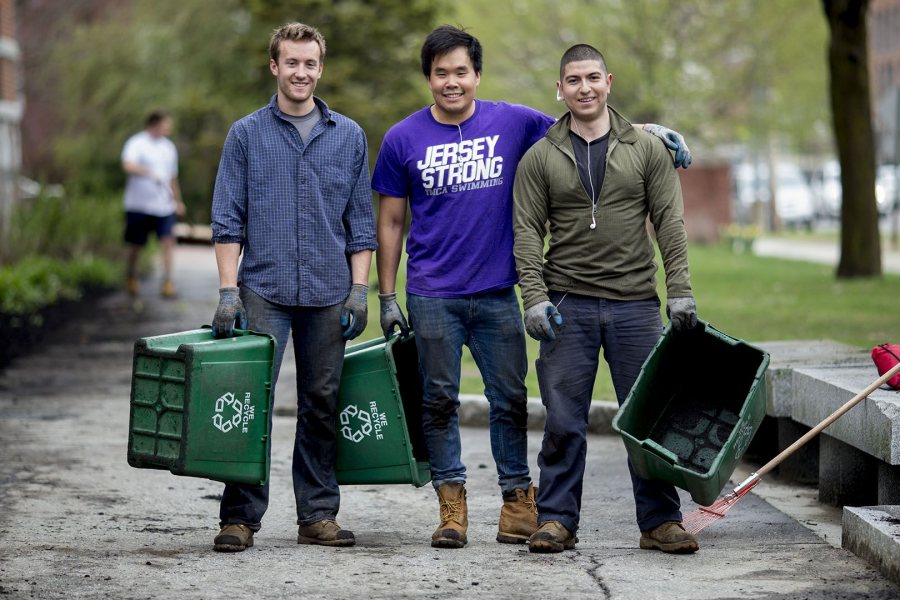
pixel 56 249
pixel 65 228
pixel 36 282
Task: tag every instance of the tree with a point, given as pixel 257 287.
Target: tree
pixel 720 72
pixel 206 62
pixel 848 62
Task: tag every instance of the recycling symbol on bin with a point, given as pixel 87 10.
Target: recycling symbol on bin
pixel 219 419
pixel 356 423
pixel 742 440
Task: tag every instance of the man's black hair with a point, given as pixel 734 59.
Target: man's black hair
pixel 447 38
pixel 580 52
pixel 156 117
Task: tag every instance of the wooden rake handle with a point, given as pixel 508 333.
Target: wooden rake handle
pixel 828 421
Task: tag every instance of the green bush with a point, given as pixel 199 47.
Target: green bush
pixel 65 228
pixel 36 282
pixel 56 249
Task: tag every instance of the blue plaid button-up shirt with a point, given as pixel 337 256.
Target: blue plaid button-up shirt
pixel 299 210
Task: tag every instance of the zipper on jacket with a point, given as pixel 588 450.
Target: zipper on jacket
pixel 613 141
pixel 575 162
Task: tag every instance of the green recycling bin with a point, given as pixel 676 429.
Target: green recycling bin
pixel 379 421
pixel 200 406
pixel 693 409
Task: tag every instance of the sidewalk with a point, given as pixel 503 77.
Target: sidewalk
pixel 818 251
pixel 77 521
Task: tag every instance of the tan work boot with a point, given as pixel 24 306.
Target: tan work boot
pixel 325 533
pixel 168 289
pixel 133 285
pixel 233 537
pixel 518 517
pixel 669 537
pixel 552 536
pixel 451 533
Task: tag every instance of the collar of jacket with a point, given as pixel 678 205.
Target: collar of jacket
pixel 323 108
pixel 620 129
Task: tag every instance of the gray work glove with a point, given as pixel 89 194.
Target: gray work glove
pixel 355 312
pixel 682 313
pixel 229 311
pixel 391 315
pixel 673 141
pixel 537 321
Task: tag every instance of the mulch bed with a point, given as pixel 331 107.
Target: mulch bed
pixel 20 334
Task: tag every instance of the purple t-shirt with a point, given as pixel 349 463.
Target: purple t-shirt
pixel 459 182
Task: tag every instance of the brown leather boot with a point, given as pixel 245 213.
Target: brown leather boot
pixel 552 536
pixel 233 537
pixel 325 533
pixel 518 517
pixel 451 533
pixel 669 537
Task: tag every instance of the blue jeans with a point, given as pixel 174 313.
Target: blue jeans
pixel 491 326
pixel 319 353
pixel 627 332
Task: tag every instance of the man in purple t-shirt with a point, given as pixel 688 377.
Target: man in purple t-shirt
pixel 454 163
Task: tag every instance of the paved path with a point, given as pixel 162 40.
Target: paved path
pixel 817 251
pixel 77 521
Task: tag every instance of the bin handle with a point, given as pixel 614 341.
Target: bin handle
pixel 664 453
pixel 237 331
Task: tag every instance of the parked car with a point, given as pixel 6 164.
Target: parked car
pixel 750 189
pixel 829 191
pixel 886 189
pixel 793 196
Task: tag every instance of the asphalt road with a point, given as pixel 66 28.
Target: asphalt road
pixel 77 521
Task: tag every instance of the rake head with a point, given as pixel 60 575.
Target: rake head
pixel 704 516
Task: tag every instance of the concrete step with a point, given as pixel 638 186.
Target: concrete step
pixel 873 533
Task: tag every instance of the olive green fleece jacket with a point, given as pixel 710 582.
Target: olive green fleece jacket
pixel 616 260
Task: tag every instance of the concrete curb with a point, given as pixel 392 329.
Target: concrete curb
pixel 873 533
pixel 474 412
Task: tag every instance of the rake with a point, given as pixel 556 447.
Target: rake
pixel 703 516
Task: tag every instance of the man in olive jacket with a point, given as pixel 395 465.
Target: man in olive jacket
pixel 595 179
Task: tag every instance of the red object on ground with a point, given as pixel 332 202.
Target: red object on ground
pixel 885 357
pixel 698 519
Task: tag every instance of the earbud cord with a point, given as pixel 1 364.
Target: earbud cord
pixel 590 175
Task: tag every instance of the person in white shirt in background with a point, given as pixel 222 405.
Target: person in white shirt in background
pixel 152 196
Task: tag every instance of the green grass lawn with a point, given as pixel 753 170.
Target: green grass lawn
pixel 751 298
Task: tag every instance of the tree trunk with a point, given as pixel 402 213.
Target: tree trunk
pixel 848 61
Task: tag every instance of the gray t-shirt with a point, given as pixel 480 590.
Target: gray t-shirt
pixel 305 123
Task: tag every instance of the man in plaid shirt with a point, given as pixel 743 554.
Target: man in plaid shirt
pixel 293 195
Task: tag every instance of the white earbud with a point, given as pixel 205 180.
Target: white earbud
pixel 558 96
